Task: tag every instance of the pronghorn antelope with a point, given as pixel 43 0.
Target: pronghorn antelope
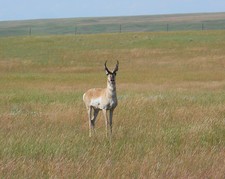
pixel 104 99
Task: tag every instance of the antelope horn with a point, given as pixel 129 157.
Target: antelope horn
pixel 106 69
pixel 117 67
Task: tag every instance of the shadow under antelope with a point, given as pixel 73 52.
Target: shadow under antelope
pixel 104 99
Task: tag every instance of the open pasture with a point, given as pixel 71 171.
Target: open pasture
pixel 169 123
pixel 93 25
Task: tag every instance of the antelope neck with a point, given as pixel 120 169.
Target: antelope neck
pixel 111 88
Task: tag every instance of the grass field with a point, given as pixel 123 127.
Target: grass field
pixel 93 25
pixel 170 121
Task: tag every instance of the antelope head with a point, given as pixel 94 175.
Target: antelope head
pixel 111 75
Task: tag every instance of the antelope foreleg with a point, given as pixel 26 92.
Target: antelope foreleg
pixel 110 120
pixel 106 121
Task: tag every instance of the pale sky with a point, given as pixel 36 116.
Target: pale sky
pixel 42 9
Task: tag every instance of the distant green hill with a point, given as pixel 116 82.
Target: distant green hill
pixel 174 22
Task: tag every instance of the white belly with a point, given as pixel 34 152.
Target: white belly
pixel 98 103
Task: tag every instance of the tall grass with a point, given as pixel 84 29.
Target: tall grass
pixel 169 122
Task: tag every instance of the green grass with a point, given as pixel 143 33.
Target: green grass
pixel 175 22
pixel 169 122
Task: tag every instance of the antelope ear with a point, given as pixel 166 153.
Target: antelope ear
pixel 106 72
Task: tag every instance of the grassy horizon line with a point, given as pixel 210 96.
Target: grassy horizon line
pixel 171 22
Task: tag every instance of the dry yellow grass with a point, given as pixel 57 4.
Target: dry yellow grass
pixel 169 122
